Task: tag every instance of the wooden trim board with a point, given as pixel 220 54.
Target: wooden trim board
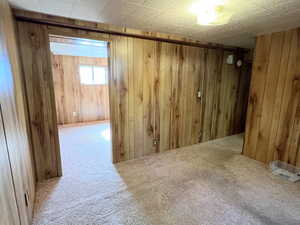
pixel 83 123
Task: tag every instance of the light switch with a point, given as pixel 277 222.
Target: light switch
pixel 230 59
pixel 199 94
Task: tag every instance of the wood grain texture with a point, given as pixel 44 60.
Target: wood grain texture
pixel 35 55
pixel 36 17
pixel 153 89
pixel 272 130
pixel 15 126
pixel 90 102
pixel 8 202
pixel 155 98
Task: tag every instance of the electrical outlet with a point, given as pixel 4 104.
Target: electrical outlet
pixel 74 114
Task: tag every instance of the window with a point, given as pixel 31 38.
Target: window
pixel 93 75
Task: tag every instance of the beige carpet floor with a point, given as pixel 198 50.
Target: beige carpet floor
pixel 204 184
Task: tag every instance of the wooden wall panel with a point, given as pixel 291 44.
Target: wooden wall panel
pixel 90 102
pixel 165 92
pixel 153 93
pixel 155 99
pixel 8 202
pixel 272 130
pixel 137 53
pixel 15 143
pixel 35 53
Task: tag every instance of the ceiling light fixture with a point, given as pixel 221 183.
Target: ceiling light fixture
pixel 211 12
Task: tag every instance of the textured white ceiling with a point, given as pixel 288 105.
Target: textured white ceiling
pixel 251 17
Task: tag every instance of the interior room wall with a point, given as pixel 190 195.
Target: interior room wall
pixel 76 102
pixel 154 96
pixel 153 90
pixel 8 202
pixel 273 120
pixel 17 179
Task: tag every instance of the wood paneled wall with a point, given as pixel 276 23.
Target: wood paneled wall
pixel 89 102
pixel 8 202
pixel 36 62
pixel 17 178
pixel 153 91
pixel 273 119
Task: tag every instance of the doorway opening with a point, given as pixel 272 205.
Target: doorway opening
pixel 81 87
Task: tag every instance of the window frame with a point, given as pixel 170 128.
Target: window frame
pixel 93 74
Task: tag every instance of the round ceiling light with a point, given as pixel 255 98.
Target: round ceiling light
pixel 211 12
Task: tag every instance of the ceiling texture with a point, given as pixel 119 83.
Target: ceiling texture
pixel 250 17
